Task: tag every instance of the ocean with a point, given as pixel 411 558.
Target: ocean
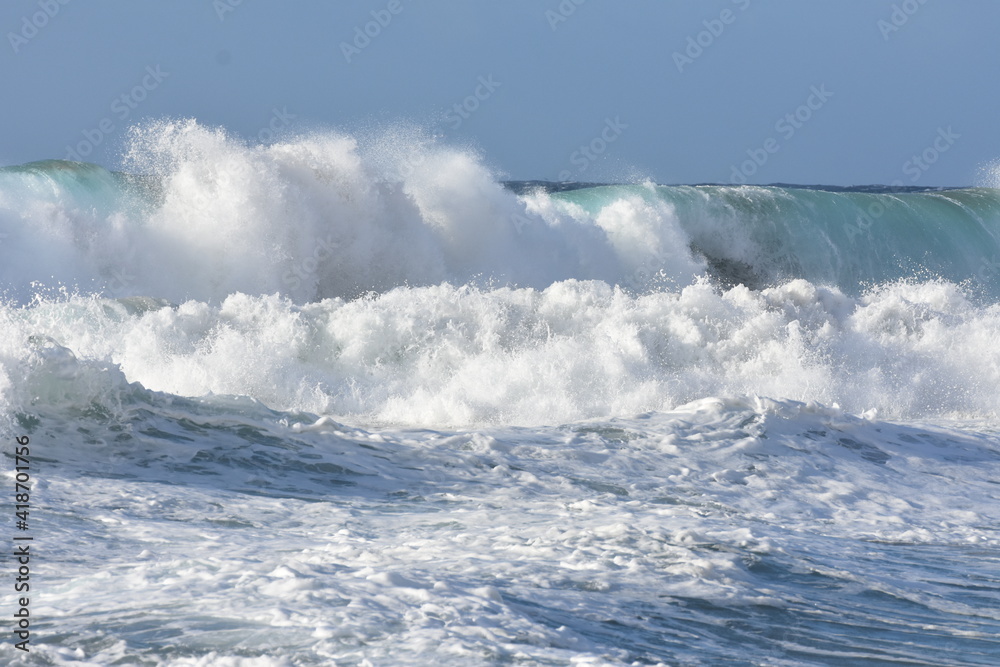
pixel 362 400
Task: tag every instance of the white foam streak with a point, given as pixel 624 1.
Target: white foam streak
pixel 445 355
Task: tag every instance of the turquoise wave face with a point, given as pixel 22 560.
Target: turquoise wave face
pixel 761 236
pixel 76 183
pixel 204 216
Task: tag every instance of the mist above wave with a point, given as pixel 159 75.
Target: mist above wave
pixel 314 217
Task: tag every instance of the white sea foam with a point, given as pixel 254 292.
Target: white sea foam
pixel 203 215
pixel 331 402
pixel 446 355
pixel 228 535
pixel 310 218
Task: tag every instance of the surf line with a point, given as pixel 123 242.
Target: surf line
pixel 787 126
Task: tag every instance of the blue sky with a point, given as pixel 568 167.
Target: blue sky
pixel 837 92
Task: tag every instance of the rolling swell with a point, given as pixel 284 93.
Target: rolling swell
pixel 329 216
pixel 851 239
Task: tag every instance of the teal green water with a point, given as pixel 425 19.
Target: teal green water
pixel 853 240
